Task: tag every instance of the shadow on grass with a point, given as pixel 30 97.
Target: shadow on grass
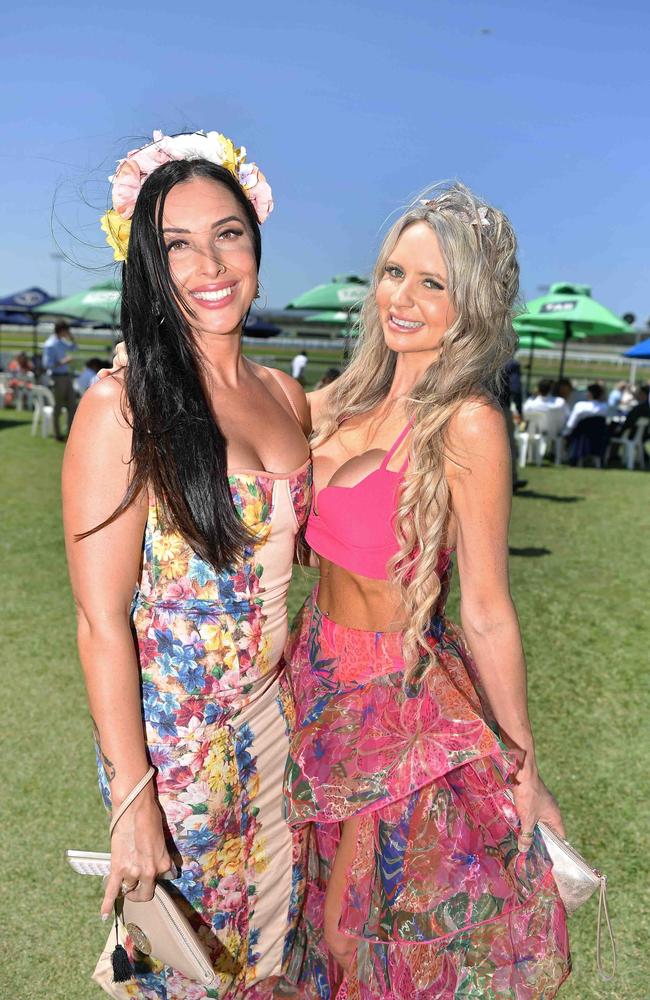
pixel 529 551
pixel 555 497
pixel 6 422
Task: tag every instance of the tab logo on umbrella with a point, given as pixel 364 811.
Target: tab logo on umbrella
pixel 556 307
pixel 350 294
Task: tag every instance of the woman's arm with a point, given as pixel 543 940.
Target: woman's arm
pixel 104 570
pixel 481 489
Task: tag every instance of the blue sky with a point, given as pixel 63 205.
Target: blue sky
pixel 350 108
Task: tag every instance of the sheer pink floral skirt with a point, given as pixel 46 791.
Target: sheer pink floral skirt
pixel 438 897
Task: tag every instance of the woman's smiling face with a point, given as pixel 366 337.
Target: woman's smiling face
pixel 211 254
pixel 415 309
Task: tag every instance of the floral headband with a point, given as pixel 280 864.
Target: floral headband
pixel 132 172
pixel 438 204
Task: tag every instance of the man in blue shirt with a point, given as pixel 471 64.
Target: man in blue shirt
pixel 57 355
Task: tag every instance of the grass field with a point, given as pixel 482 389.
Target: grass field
pixel 580 554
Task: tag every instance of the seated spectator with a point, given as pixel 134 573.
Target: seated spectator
pixel 20 366
pixel 565 389
pixel 642 409
pixel 330 376
pixel 616 395
pixel 545 402
pixel 88 375
pixel 594 405
pixel 589 439
pixel 628 399
pixel 21 381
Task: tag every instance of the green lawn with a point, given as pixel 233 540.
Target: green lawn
pixel 580 555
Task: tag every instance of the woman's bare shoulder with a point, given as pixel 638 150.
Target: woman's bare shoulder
pixel 476 418
pixel 292 389
pixel 102 408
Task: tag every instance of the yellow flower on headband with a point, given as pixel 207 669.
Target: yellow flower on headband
pixel 117 232
pixel 229 154
pixel 133 170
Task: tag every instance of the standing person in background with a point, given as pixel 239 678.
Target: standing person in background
pixel 512 373
pixel 509 392
pixel 57 355
pixel 298 365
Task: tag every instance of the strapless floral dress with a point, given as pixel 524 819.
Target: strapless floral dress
pixel 217 714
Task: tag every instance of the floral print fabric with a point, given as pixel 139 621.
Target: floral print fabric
pixel 217 715
pixel 441 902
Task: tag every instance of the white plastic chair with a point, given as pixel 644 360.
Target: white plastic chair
pixel 522 441
pixel 43 400
pixel 634 450
pixel 541 432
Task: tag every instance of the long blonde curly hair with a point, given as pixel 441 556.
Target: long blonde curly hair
pixel 479 248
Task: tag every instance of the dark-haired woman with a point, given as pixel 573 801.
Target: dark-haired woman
pixel 172 491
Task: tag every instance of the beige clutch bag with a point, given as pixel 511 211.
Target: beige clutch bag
pixel 157 927
pixel 576 882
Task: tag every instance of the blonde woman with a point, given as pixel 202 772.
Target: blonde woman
pixel 413 759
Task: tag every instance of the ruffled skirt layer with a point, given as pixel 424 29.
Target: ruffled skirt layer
pixel 439 899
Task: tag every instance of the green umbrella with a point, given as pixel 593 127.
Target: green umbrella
pixel 99 305
pixel 342 293
pixel 570 309
pixel 531 337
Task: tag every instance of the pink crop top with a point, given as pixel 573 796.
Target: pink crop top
pixel 353 525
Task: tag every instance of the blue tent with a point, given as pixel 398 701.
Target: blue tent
pixel 639 351
pixel 18 308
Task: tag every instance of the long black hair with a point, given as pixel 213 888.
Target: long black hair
pixel 178 450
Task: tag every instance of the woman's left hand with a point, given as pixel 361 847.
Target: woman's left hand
pixel 534 802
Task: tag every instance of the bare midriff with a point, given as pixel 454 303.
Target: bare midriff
pixel 358 601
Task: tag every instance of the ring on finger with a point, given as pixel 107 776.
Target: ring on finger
pixel 528 834
pixel 125 887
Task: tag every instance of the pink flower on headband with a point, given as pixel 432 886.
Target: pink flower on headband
pixel 258 190
pixel 133 170
pixel 126 188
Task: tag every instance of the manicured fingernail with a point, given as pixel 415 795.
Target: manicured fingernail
pixel 104 916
